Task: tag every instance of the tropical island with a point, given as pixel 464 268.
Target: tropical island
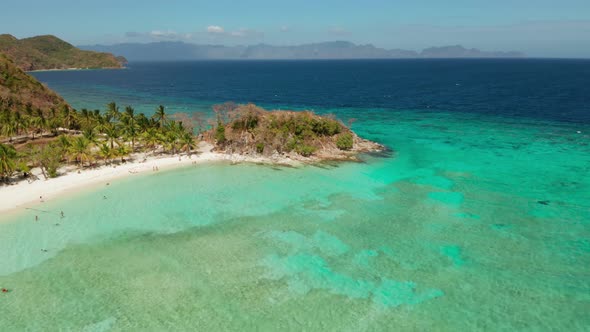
pixel 68 139
pixel 51 53
pixel 43 138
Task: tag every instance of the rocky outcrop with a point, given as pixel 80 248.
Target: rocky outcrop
pixel 250 131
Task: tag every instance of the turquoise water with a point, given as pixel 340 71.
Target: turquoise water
pixel 472 223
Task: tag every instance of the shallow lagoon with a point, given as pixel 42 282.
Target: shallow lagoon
pixel 446 233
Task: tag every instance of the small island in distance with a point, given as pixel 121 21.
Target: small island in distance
pixel 51 53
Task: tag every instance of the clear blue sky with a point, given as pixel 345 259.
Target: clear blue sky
pixel 537 27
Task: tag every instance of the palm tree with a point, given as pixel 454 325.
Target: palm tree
pixel 151 138
pixel 111 133
pixel 129 113
pixel 7 160
pixel 19 122
pixel 64 142
pixel 5 116
pixel 143 122
pixel 87 119
pixel 90 135
pixel 9 127
pixel 130 127
pixel 37 122
pixel 96 118
pixel 53 121
pixel 187 143
pixel 68 116
pixel 106 153
pixel 80 150
pixel 174 130
pixel 113 111
pixel 122 151
pixel 103 121
pixel 160 116
pixel 6 123
pixel 62 146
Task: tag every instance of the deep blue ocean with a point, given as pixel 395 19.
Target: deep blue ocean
pixel 535 88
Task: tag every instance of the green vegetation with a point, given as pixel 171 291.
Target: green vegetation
pixel 86 138
pixel 50 52
pixel 250 129
pixel 7 160
pixel 220 133
pixel 344 141
pixel 305 150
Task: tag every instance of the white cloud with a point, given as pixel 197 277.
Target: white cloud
pixel 215 29
pixel 284 28
pixel 218 33
pixel 169 34
pixel 212 33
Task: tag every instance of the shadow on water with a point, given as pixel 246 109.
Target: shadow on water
pixel 386 153
pixel 327 164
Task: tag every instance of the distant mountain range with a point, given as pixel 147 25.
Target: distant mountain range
pixel 169 51
pixel 50 52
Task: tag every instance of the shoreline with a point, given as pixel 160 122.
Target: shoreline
pixel 72 69
pixel 23 194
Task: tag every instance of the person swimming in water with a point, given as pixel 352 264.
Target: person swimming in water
pixel 62 214
pixel 4 290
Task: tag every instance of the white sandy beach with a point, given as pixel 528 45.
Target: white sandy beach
pixel 23 194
